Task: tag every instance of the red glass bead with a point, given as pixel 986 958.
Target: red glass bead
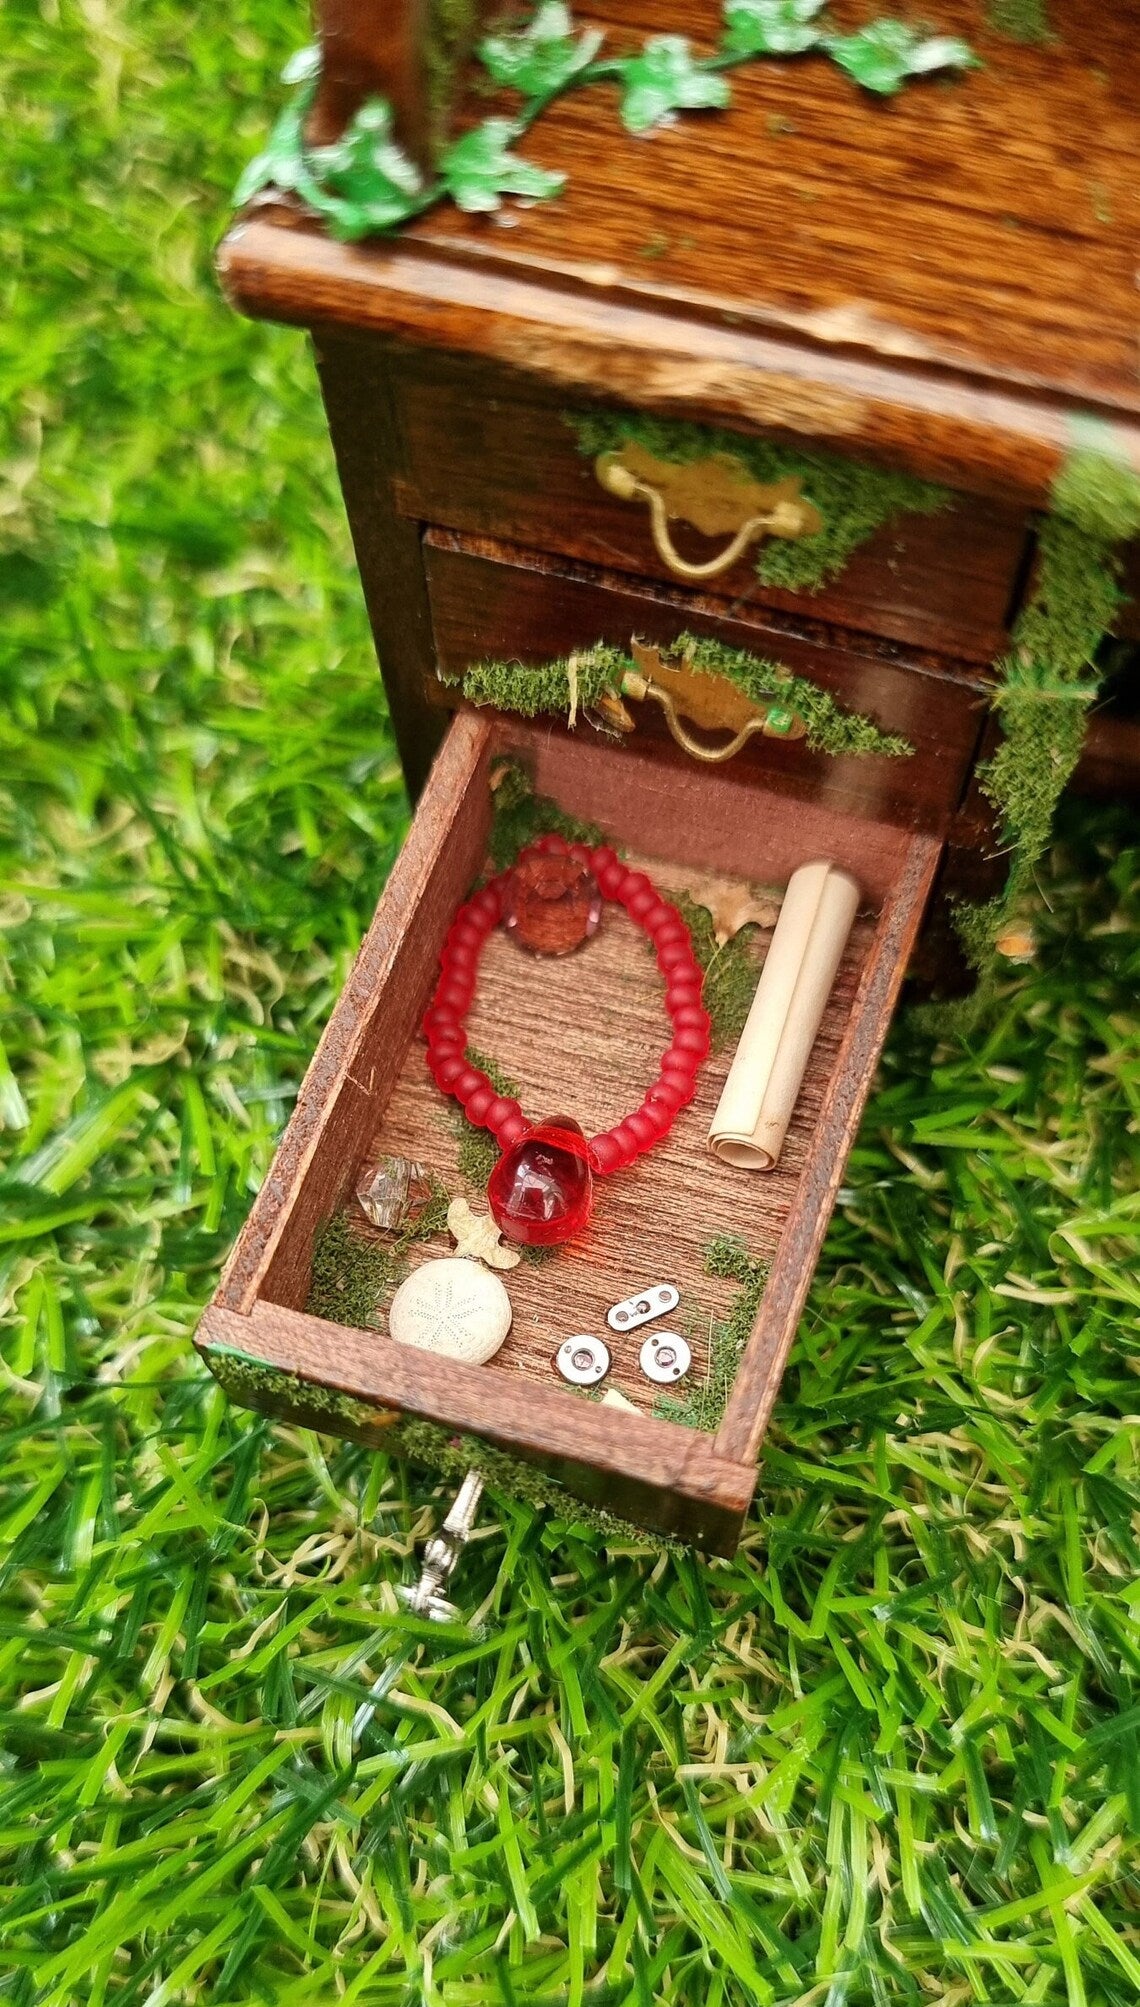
pixel 500 1111
pixel 657 1115
pixel 551 902
pixel 693 1040
pixel 690 1017
pixel 604 1153
pixel 667 1094
pixel 642 1129
pixel 478 1104
pixel 674 955
pixel 468 1083
pixel 512 1130
pixel 541 1190
pixel 447 1070
pixel 681 990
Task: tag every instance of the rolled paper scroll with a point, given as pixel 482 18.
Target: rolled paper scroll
pixel 767 1073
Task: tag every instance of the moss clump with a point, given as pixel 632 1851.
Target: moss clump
pixel 572 684
pixel 853 500
pixel 426 1442
pixel 830 727
pixel 730 971
pixel 1049 679
pixel 519 815
pixel 1099 493
pixel 478 1151
pixel 451 30
pixel 350 1275
pixel 703 1407
pixel 552 690
pixel 1020 20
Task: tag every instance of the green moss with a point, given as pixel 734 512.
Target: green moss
pixel 730 971
pixel 478 1150
pixel 549 690
pixel 426 1442
pixel 1020 20
pixel 258 1384
pixel 519 814
pixel 350 1275
pixel 702 1407
pixel 451 30
pixel 830 727
pixel 1049 679
pixel 854 500
pixel 1097 491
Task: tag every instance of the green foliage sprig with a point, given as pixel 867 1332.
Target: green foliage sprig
pixel 364 185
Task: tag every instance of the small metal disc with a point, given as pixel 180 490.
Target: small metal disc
pixel 665 1357
pixel 583 1361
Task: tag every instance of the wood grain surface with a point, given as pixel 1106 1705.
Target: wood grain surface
pixel 945 280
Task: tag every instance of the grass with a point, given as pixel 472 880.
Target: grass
pixel 889 1754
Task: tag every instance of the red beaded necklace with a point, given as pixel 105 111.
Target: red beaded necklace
pixel 541 1190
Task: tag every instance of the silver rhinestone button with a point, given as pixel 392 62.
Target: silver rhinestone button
pixel 635 1310
pixel 665 1356
pixel 583 1361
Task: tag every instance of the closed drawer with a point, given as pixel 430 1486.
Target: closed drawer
pixel 476 454
pixel 489 602
pixel 588 1029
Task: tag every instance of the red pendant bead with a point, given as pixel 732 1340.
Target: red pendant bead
pixel 551 902
pixel 541 1190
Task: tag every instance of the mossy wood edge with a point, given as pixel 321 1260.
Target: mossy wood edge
pixel 1046 683
pixel 256 1383
pixel 573 685
pixel 853 499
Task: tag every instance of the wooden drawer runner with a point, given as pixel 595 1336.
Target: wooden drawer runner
pixel 489 602
pixel 588 1033
pixel 478 456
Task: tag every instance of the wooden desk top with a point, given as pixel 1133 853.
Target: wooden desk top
pixel 949 280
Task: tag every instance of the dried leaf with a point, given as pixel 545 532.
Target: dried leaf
pixel 734 906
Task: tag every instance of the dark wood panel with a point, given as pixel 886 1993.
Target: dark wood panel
pixel 495 603
pixel 476 455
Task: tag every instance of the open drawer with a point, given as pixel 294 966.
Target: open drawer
pixel 584 1033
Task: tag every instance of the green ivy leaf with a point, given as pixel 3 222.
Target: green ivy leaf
pixel 374 182
pixel 477 169
pixel 544 57
pixel 771 27
pixel 885 53
pixel 280 162
pixel 665 79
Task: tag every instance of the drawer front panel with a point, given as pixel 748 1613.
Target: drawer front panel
pixel 479 458
pixel 492 604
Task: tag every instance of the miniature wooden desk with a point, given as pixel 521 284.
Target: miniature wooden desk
pixel 942 285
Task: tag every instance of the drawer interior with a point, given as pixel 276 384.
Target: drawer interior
pixel 581 1035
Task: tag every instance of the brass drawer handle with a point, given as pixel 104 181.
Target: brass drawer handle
pixel 782 514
